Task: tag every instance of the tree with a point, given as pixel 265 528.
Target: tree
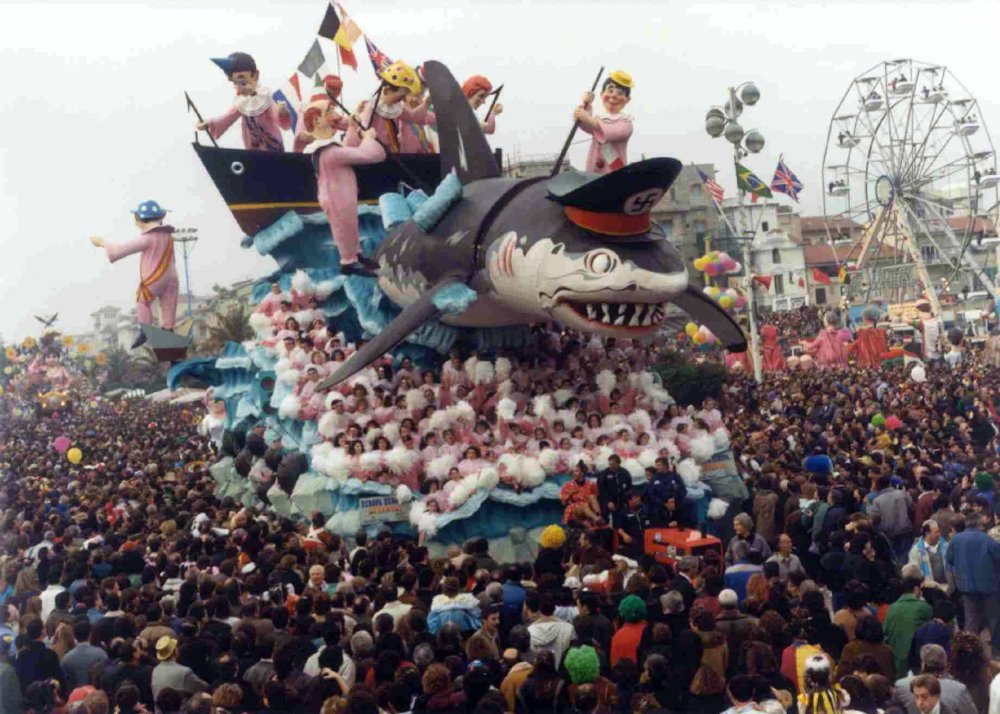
pixel 229 325
pixel 135 369
pixel 690 383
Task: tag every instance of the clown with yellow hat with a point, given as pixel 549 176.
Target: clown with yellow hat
pixel 610 130
pixel 386 112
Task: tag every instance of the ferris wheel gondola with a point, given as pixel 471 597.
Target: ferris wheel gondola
pixel 910 165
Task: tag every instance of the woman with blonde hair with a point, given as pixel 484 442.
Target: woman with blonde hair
pixel 26 582
pixel 63 640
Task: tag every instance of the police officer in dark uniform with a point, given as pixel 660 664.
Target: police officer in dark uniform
pixel 630 525
pixel 665 486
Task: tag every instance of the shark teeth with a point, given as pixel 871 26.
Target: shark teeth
pixel 625 315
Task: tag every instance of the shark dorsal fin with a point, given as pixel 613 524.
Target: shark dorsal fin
pixel 463 144
pixel 618 203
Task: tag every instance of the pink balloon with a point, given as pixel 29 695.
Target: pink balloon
pixel 62 444
pixel 741 302
pixel 893 423
pixel 712 269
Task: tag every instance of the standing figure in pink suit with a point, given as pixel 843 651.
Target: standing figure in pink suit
pixel 828 349
pixel 157 269
pixel 610 130
pixel 773 359
pixel 336 181
pixel 263 118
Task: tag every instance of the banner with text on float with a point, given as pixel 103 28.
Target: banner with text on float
pixel 380 509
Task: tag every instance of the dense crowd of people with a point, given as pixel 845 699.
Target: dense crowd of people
pixel 864 573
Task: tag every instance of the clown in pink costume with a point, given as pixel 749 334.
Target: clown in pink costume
pixel 388 116
pixel 611 130
pixel 828 349
pixel 337 183
pixel 263 119
pixel 157 270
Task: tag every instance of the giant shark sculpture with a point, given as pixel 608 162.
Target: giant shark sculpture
pixel 579 248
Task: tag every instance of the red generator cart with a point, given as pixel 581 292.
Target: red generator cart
pixel 668 545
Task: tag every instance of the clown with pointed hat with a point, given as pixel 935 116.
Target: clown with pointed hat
pixel 263 119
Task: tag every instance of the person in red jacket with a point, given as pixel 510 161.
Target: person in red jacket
pixel 626 641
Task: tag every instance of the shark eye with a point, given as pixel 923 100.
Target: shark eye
pixel 600 261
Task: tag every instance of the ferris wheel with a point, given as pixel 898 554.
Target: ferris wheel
pixel 910 180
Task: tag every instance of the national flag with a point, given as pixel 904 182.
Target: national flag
pixel 290 92
pixel 351 30
pixel 713 188
pixel 785 181
pixel 843 276
pixel 379 59
pixel 764 280
pixel 747 181
pixel 314 59
pixel 820 277
pixel 341 33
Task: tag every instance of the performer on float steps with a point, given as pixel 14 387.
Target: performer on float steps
pixel 335 179
pixel 476 89
pixel 263 118
pixel 610 130
pixel 157 270
pixel 398 81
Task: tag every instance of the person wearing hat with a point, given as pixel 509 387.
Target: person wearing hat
pixel 157 270
pixel 168 674
pixel 263 118
pixel 611 130
pixel 335 178
pixel 398 81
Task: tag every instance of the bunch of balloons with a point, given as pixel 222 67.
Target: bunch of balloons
pixel 701 336
pixel 716 263
pixel 729 298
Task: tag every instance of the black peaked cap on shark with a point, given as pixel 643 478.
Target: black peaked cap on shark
pixel 618 203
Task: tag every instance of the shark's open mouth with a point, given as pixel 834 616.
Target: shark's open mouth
pixel 614 314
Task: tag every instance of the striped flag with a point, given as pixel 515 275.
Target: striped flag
pixel 291 94
pixel 713 188
pixel 341 32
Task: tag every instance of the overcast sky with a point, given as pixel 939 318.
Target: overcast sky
pixel 93 116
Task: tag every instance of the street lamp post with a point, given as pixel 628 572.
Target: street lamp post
pixel 723 121
pixel 187 237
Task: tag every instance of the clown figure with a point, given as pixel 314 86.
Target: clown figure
pixel 263 118
pixel 398 81
pixel 610 131
pixel 336 181
pixel 157 270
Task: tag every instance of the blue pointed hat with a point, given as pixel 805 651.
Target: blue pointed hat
pixel 236 62
pixel 225 64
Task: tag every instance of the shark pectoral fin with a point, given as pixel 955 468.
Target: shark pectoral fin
pixel 407 322
pixel 709 314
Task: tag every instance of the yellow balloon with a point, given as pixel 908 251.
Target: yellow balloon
pixel 691 329
pixel 74 456
pixel 700 264
pixel 726 301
